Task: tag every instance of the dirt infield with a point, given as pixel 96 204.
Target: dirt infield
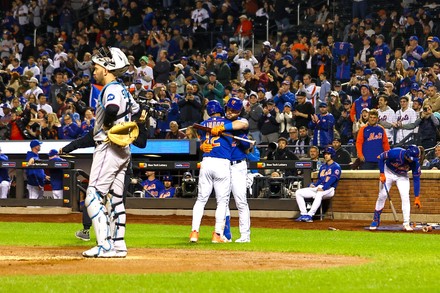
pixel 68 260
pixel 58 261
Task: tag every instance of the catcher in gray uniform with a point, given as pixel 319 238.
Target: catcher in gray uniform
pixel 106 184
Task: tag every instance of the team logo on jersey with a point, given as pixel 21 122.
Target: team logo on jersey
pixel 110 97
pixel 337 172
pixel 373 136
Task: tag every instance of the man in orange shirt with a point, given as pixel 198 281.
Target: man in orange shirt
pixel 371 142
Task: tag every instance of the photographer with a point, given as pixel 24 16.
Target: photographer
pixel 245 59
pixel 190 108
pixel 214 90
pixel 189 185
pixel 279 151
pixel 428 127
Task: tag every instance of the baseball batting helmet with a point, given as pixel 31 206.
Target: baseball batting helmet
pixel 213 107
pixel 112 59
pixel 412 152
pixel 331 151
pixel 234 104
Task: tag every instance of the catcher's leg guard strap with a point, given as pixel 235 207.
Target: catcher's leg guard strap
pixel 117 220
pixel 97 212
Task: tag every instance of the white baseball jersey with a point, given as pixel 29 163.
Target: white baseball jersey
pixel 405 117
pixel 388 116
pixel 113 94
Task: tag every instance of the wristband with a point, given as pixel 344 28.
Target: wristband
pixel 228 127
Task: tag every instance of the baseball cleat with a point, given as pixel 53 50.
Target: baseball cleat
pixel 120 253
pixel 300 218
pixel 307 219
pixel 217 238
pixel 243 240
pixel 194 237
pixel 374 225
pixel 100 252
pixel 83 234
pixel 407 227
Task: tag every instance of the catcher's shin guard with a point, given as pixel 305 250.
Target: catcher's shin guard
pixel 98 214
pixel 117 218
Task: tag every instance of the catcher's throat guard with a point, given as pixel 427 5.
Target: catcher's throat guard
pixel 123 134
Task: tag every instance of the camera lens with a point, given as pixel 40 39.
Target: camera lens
pixel 425 109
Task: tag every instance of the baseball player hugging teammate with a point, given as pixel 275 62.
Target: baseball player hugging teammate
pixel 104 196
pixel 394 166
pixel 215 169
pixel 238 174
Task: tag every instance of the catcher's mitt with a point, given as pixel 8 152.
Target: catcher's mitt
pixel 123 134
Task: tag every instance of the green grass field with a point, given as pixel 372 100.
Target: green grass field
pixel 400 262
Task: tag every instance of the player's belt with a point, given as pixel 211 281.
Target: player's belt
pixel 236 162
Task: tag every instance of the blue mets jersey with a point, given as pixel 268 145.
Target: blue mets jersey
pixel 398 164
pixel 56 175
pixel 329 175
pixel 222 146
pixel 168 193
pixel 152 188
pixel 240 148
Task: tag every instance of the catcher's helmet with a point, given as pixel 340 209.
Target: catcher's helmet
pixel 112 59
pixel 235 104
pixel 331 151
pixel 412 152
pixel 213 107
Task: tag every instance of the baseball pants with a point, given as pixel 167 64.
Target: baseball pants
pixel 4 189
pixel 57 194
pixel 402 183
pixel 107 174
pixel 35 192
pixel 312 192
pixel 215 173
pixel 238 188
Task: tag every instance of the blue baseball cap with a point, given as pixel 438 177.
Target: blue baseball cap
pixel 415 86
pixel 167 178
pixel 322 105
pixel 364 85
pixel 368 71
pixel 287 104
pixel 413 38
pixel 418 100
pixel 53 152
pixel 288 58
pixel 433 39
pixel 35 143
pixel 138 81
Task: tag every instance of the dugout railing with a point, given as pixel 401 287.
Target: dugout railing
pixel 75 184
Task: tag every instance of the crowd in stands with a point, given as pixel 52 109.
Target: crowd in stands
pixel 306 87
